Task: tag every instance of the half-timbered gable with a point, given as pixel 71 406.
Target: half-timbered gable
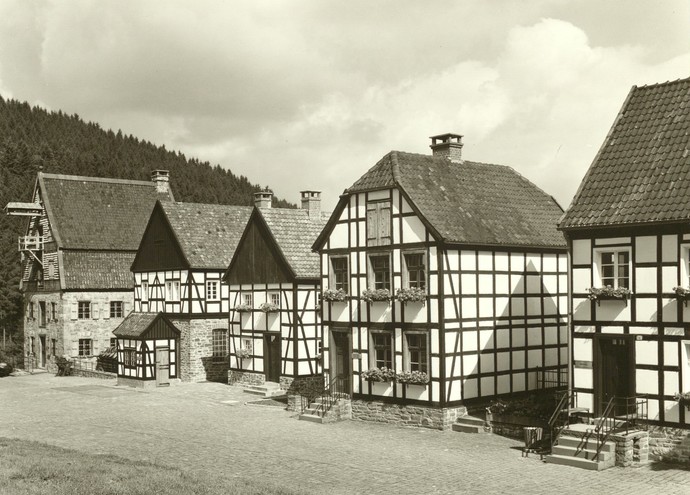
pixel 178 271
pixel 80 241
pixel 627 228
pixel 454 275
pixel 274 291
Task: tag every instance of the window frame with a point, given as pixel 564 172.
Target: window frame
pixel 406 270
pixel 247 298
pixel 113 311
pixel 371 278
pixel 85 348
pixel 216 290
pixel 129 358
pixel 219 345
pixel 374 348
pixel 172 291
pixel 270 298
pixel 333 282
pixel 407 359
pixel 53 311
pixel 599 253
pixel 144 291
pixel 375 209
pixel 42 314
pixel 84 312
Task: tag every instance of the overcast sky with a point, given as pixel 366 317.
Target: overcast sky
pixel 311 94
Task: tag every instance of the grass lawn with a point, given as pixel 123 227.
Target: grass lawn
pixel 36 468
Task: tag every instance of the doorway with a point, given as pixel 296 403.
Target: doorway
pixel 615 371
pixel 341 359
pixel 162 366
pixel 272 357
pixel 42 351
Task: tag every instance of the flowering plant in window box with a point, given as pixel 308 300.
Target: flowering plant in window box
pixel 243 353
pixel 412 377
pixel 683 399
pixel 682 294
pixel 243 308
pixel 334 295
pixel 382 374
pixel 375 295
pixel 608 292
pixel 410 294
pixel 268 307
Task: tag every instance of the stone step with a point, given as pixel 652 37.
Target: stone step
pixel 590 444
pixel 467 428
pixel 311 417
pixel 604 456
pixel 272 390
pixel 471 420
pixel 574 462
pixel 314 411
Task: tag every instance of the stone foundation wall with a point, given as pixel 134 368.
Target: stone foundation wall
pixel 632 448
pixel 296 388
pixel 239 377
pixel 94 374
pixel 340 411
pixel 669 444
pixel 407 415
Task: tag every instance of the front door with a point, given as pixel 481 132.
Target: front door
pixel 162 366
pixel 340 365
pixel 615 372
pixel 42 351
pixel 272 357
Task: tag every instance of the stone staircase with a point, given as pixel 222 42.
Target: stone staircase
pixel 316 412
pixel 577 447
pixel 268 389
pixel 469 424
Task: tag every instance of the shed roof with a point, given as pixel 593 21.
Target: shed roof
pixel 641 174
pixel 139 325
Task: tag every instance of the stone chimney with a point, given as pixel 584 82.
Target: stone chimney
pixel 263 199
pixel 162 180
pixel 448 146
pixel 311 201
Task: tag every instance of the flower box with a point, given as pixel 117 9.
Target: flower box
pixel 412 377
pixel 334 295
pixel 411 294
pixel 683 399
pixel 243 308
pixel 609 293
pixel 268 307
pixel 382 374
pixel 682 294
pixel 376 295
pixel 243 353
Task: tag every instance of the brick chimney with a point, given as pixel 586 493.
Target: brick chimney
pixel 263 199
pixel 448 146
pixel 162 180
pixel 311 201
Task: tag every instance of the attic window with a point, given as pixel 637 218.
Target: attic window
pixel 379 223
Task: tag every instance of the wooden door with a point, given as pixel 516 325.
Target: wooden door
pixel 42 351
pixel 272 357
pixel 615 372
pixel 162 366
pixel 341 361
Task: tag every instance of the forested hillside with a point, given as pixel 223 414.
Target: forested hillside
pixel 32 138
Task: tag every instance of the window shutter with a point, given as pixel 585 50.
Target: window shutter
pixel 73 312
pixel 126 308
pixel 106 310
pixel 95 308
pixel 384 223
pixel 372 225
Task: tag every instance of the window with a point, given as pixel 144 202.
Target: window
pixel 129 357
pixel 339 274
pixel 53 347
pixel 248 300
pixel 53 311
pixel 42 314
pixel 212 292
pixel 113 342
pixel 116 309
pixel 382 345
pixel 416 352
pixel 84 310
pixel 247 344
pixel 31 311
pixel 144 291
pixel 274 298
pixel 415 270
pixel 380 274
pixel 379 223
pixel 85 347
pixel 172 291
pixel 614 268
pixel 32 346
pixel 220 344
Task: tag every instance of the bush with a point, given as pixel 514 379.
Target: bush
pixel 533 406
pixel 5 369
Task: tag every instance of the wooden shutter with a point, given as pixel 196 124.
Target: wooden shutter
pixel 384 215
pixel 126 308
pixel 95 310
pixel 74 309
pixel 106 310
pixel 372 224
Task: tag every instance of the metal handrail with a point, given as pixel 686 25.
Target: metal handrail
pixel 336 389
pixel 604 426
pixel 567 399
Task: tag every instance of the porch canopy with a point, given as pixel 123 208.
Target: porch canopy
pixel 146 326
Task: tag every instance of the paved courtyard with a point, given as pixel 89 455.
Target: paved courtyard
pixel 207 427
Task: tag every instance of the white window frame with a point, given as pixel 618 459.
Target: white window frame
pixel 82 347
pixel 144 292
pixel 274 298
pixel 172 291
pixel 247 344
pixel 406 350
pixel 213 290
pixel 112 309
pixel 598 268
pixel 81 314
pixel 219 347
pixel 405 271
pixel 331 272
pixel 248 299
pixel 371 278
pixel 372 348
pixel 684 266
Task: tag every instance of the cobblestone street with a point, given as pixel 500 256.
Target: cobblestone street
pixel 208 428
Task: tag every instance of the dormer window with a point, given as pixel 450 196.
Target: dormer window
pixel 614 268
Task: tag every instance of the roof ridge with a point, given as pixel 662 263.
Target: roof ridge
pixel 666 83
pixel 395 167
pixel 107 180
pixel 187 203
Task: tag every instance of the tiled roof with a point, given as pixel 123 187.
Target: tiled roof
pixel 136 325
pixel 470 202
pixel 97 270
pixel 208 234
pixel 642 172
pixel 294 232
pixel 97 213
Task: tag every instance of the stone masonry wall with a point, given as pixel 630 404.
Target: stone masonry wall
pixel 236 377
pixel 53 330
pixel 197 363
pixel 669 444
pixel 309 386
pixel 407 415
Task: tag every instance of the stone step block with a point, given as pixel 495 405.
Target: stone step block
pixel 582 453
pixel 589 444
pixel 574 462
pixel 311 417
pixel 467 428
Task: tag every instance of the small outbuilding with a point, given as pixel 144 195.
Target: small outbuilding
pixel 147 350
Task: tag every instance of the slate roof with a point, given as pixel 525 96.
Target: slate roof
pixel 97 213
pixel 208 234
pixel 294 232
pixel 136 324
pixel 97 269
pixel 642 171
pixel 470 202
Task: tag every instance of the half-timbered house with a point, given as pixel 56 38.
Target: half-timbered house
pixel 274 295
pixel 628 228
pixel 178 269
pixel 455 283
pixel 81 238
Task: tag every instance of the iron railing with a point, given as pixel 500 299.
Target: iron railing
pixel 553 379
pixel 621 415
pixel 337 388
pixel 560 418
